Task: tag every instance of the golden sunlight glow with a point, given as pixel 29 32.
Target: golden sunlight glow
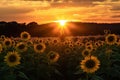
pixel 62 22
pixel 62 26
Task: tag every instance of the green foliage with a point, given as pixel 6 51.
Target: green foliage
pixel 37 66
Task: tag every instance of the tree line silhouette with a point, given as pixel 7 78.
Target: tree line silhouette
pixel 13 29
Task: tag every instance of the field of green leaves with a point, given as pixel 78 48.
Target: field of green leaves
pixel 60 58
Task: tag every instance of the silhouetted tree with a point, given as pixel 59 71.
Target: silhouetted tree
pixel 13 29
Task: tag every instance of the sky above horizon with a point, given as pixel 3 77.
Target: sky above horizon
pixel 44 11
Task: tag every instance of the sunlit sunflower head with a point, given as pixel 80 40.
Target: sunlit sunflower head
pixel 25 35
pixel 29 42
pixel 90 64
pixel 111 39
pixel 71 45
pixel 1 48
pixel 80 44
pixel 101 42
pixel 2 36
pixel 7 42
pixel 13 42
pixel 39 48
pixel 12 59
pixel 96 44
pixel 85 53
pixel 53 56
pixel 41 40
pixel 55 41
pixel 67 50
pixel 65 43
pixel 88 43
pixel 89 47
pixel 21 47
pixel 94 49
pixel 118 43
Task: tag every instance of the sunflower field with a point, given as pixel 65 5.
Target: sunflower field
pixel 60 58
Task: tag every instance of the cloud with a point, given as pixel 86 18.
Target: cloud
pixel 50 10
pixel 115 16
pixel 115 4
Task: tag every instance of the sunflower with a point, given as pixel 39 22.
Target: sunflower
pixel 12 59
pixel 25 35
pixel 2 37
pixel 71 45
pixel 53 56
pixel 67 51
pixel 39 48
pixel 1 48
pixel 55 41
pixel 13 43
pixel 41 40
pixel 29 42
pixel 78 43
pixel 85 53
pixel 21 47
pixel 101 42
pixel 111 39
pixel 90 64
pixel 7 42
pixel 88 43
pixel 89 47
pixel 97 44
pixel 118 43
pixel 65 43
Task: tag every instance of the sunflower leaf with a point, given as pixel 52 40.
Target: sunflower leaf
pixel 22 75
pixel 10 77
pixel 58 72
pixel 79 71
pixel 95 77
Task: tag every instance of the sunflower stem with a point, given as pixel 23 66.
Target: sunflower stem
pixel 87 76
pixel 11 71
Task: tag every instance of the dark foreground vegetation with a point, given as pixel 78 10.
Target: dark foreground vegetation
pixel 50 58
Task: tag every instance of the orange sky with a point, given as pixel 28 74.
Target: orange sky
pixel 43 11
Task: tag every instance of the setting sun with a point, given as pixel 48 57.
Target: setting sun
pixel 62 22
pixel 61 26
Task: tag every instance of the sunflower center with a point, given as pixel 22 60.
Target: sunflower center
pixel 7 43
pixel 67 51
pixel 97 44
pixel 110 38
pixel 39 47
pixel 21 46
pixel 12 58
pixel 52 56
pixel 86 53
pixel 89 47
pixel 55 41
pixel 25 36
pixel 90 64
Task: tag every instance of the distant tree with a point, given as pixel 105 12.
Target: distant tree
pixel 13 29
pixel 32 24
pixel 30 28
